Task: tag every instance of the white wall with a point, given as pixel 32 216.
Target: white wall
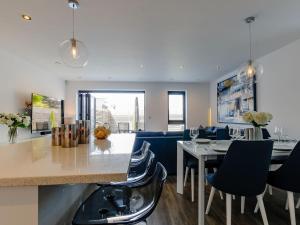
pixel 278 89
pixel 156 107
pixel 18 80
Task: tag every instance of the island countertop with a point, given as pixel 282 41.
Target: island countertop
pixel 35 162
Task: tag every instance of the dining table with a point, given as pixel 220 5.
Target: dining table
pixel 205 150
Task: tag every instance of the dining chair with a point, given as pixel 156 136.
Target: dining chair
pixel 191 164
pixel 243 172
pixel 287 178
pixel 122 204
pixel 298 204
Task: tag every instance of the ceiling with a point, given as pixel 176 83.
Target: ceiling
pixel 148 40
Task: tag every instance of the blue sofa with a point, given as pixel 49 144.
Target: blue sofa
pixel 163 145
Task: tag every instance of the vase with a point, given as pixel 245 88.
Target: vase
pixel 258 135
pixel 12 135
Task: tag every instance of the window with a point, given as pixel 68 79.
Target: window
pixel 177 109
pixel 122 111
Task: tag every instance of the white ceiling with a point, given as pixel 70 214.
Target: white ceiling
pixel 161 35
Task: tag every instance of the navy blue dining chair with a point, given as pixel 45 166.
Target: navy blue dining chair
pixel 243 172
pixel 287 178
pixel 191 164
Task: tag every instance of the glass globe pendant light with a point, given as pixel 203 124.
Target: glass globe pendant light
pixel 72 51
pixel 252 69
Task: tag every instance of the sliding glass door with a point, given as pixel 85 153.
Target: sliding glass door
pixel 122 111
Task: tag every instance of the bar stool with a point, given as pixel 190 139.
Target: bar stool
pixel 140 154
pixel 122 204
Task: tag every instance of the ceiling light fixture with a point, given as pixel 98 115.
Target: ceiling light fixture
pixel 72 51
pixel 251 69
pixel 26 17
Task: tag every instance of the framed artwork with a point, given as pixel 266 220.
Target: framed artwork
pixel 236 96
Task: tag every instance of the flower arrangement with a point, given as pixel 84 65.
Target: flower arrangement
pixel 14 121
pixel 258 119
pixel 101 132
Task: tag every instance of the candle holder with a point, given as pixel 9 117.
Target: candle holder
pixel 56 136
pixel 84 127
pixel 69 136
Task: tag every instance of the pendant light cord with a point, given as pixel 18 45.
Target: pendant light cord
pixel 73 21
pixel 250 40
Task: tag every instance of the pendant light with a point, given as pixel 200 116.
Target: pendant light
pixel 72 51
pixel 251 69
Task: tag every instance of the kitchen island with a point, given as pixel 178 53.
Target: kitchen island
pixel 31 165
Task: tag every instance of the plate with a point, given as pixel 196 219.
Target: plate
pixel 220 148
pixel 283 147
pixel 202 140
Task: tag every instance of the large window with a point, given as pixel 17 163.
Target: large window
pixel 122 111
pixel 176 117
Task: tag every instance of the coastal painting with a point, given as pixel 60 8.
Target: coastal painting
pixel 236 96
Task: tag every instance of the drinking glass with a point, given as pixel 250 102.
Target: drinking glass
pixel 194 132
pixel 278 132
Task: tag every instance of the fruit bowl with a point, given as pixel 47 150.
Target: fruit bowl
pixel 101 132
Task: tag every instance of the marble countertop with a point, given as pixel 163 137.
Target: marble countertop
pixel 36 162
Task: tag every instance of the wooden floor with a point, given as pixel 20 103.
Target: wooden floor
pixel 175 209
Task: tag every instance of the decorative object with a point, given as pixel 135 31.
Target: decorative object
pixel 101 132
pixel 258 120
pixel 56 136
pixel 251 69
pixel 84 127
pixel 69 136
pixel 13 121
pixel 234 99
pixel 72 51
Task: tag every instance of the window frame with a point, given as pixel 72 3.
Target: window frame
pixel 177 122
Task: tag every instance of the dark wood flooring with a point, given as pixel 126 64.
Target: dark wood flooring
pixel 175 209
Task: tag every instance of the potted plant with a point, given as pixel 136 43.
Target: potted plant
pixel 14 121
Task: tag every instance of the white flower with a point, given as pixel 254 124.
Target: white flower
pixel 270 116
pixel 261 118
pixel 248 117
pixel 19 118
pixel 9 122
pixel 258 118
pixel 26 121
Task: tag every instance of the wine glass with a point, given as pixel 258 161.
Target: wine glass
pixel 194 132
pixel 278 132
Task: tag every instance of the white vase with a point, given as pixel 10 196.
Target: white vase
pixel 258 135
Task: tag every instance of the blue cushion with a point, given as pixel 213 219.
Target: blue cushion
pixel 192 162
pixel 149 134
pixel 210 178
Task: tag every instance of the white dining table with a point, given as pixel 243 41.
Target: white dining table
pixel 204 152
